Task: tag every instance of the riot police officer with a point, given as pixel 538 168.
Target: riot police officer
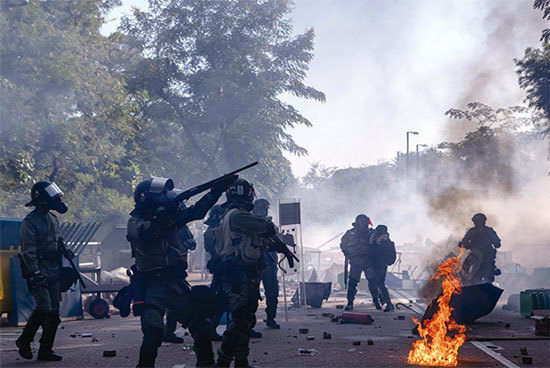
pixel 354 245
pixel 41 262
pixel 269 273
pixel 242 259
pixel 161 261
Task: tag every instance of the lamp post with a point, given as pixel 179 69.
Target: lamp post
pixel 409 132
pixel 417 160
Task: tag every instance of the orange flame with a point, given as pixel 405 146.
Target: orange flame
pixel 437 347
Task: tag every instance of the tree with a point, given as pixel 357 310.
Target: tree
pixel 534 72
pixel 65 116
pixel 219 69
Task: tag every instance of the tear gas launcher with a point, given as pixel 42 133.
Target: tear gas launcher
pixel 186 194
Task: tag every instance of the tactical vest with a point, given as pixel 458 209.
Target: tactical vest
pixel 245 247
pixel 161 251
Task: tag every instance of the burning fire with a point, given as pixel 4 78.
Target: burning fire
pixel 437 347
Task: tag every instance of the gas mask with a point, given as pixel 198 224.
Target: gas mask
pixel 53 198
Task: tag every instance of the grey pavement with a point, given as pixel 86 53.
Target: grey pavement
pixel 391 338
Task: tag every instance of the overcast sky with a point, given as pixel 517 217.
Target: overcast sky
pixel 388 66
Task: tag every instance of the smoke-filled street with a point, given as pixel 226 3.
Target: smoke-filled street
pixel 274 183
pixel 390 337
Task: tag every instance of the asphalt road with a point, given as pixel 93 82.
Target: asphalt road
pixel 391 338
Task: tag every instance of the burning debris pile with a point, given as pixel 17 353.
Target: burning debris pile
pixel 441 335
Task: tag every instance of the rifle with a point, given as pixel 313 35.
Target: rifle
pixel 185 195
pixel 346 261
pixel 279 246
pixel 69 255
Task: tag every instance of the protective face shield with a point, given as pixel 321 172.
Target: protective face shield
pixel 50 194
pixel 155 192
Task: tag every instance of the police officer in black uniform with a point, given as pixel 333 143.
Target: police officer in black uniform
pixel 161 261
pixel 41 262
pixel 269 274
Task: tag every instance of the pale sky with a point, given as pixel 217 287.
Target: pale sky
pixel 388 66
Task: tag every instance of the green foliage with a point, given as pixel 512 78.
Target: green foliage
pixel 534 77
pixel 218 70
pixel 65 116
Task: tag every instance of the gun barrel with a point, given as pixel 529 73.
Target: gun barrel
pixel 208 185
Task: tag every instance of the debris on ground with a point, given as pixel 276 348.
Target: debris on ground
pixel 94 339
pixel 302 351
pixel 352 350
pixel 356 343
pixel 527 359
pixel 523 350
pixel 340 306
pixel 335 319
pixel 359 318
pixel 370 342
pixel 303 331
pixel 86 335
pixel 327 336
pixel 310 338
pixel 400 318
pixel 109 353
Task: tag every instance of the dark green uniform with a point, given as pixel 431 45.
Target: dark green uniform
pixel 354 244
pixel 39 236
pixel 161 261
pixel 242 259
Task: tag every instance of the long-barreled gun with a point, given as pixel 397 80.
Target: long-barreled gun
pixel 276 244
pixel 185 195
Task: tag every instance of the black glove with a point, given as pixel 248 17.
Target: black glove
pixel 68 253
pixel 161 216
pixel 37 280
pixel 222 185
pixel 270 231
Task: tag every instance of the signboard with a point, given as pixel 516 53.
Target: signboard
pixel 289 213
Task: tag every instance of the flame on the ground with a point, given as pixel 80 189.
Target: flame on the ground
pixel 441 335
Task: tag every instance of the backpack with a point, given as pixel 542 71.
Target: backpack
pixel 389 252
pixel 244 246
pixel 350 243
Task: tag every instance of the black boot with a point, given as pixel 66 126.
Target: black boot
pixel 224 360
pixel 24 348
pixel 255 334
pixel 24 341
pixel 389 307
pixel 349 306
pixel 352 290
pixel 377 304
pixel 48 356
pixel 272 324
pixel 49 328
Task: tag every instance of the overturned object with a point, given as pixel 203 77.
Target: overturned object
pixel 358 318
pixel 315 292
pixel 473 302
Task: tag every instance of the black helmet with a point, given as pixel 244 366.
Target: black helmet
pixel 240 192
pixel 215 216
pixel 479 218
pixel 362 221
pixel 48 192
pixel 261 207
pixel 154 185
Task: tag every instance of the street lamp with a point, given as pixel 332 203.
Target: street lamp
pixel 417 159
pixel 409 132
